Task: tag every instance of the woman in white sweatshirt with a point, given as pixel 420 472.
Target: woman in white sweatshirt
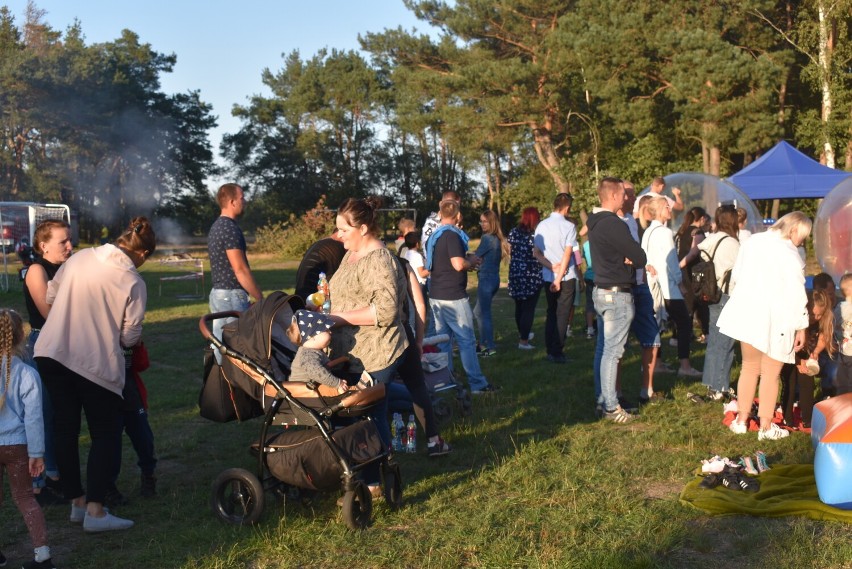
pixel 97 303
pixel 767 313
pixel 658 243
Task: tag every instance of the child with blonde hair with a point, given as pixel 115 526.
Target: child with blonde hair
pixel 22 433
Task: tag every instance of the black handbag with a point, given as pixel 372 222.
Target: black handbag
pixel 220 401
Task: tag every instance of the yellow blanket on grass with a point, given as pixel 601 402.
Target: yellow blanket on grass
pixel 785 490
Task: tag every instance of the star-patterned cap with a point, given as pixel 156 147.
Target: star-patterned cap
pixel 312 323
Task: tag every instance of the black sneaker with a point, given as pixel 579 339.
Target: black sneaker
pixel 46 564
pixel 439 448
pixel 490 388
pixel 49 497
pixel 113 498
pixel 148 487
pixel 655 398
pixel 710 481
pixel 557 359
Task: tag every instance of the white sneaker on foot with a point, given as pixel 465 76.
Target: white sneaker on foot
pixel 78 514
pixel 738 428
pixel 525 346
pixel 107 523
pixel 773 433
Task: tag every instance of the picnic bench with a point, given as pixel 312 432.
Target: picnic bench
pixel 194 268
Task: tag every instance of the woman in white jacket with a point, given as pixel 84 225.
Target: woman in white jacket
pixel 658 243
pixel 767 313
pixel 97 303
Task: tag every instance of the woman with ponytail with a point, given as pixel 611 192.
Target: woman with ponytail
pixel 97 303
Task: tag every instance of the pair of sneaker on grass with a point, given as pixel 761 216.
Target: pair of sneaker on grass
pixel 770 433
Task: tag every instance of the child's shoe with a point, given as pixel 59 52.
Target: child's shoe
pixel 762 465
pixel 748 465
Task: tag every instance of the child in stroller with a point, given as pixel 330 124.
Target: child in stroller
pixel 310 453
pixel 312 330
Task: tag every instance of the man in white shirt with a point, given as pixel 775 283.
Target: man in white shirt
pixel 557 250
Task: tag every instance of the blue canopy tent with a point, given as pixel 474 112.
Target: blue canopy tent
pixel 784 172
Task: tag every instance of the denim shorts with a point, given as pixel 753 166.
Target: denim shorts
pixel 644 322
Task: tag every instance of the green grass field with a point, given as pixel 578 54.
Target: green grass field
pixel 534 480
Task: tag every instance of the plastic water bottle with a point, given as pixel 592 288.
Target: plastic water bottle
pixel 411 439
pixel 322 286
pixel 397 428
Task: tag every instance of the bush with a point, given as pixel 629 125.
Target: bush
pixel 292 238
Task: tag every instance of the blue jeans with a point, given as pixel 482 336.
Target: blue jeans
pixel 488 287
pixel 50 467
pixel 615 314
pixel 455 318
pixel 223 300
pixel 720 352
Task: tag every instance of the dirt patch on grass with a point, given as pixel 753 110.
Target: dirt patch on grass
pixel 659 490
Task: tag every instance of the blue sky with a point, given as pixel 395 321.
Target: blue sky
pixel 223 46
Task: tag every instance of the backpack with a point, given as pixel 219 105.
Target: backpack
pixel 704 284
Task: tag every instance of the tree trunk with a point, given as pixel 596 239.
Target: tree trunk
pixel 826 45
pixel 543 145
pixel 496 201
pixel 715 161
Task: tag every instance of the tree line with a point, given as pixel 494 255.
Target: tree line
pixel 506 102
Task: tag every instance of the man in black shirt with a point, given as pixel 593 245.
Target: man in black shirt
pixel 446 259
pixel 615 255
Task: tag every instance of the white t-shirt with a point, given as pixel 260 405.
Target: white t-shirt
pixel 415 259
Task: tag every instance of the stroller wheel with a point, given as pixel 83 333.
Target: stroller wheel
pixel 237 497
pixel 443 411
pixel 392 485
pixel 357 506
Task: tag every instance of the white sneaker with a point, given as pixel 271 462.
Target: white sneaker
pixel 107 523
pixel 738 428
pixel 78 514
pixel 526 347
pixel 531 336
pixel 773 433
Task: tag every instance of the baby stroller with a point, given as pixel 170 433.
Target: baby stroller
pixel 440 381
pixel 312 452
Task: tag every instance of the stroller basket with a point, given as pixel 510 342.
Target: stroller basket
pixel 302 458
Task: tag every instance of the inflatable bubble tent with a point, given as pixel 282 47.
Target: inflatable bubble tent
pixel 709 192
pixel 833 231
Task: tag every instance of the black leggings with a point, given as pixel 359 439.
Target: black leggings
pixel 791 379
pixel 683 326
pixel 72 393
pixel 411 372
pixel 525 314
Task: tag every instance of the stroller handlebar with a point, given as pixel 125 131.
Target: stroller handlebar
pixel 203 323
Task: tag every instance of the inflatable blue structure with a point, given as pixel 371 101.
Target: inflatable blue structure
pixel 831 435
